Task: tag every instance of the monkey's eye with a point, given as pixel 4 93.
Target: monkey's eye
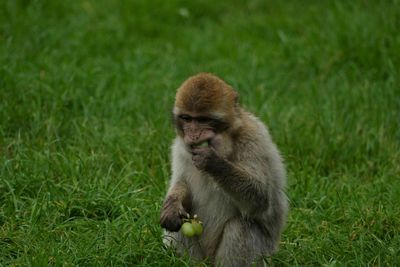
pixel 218 124
pixel 185 118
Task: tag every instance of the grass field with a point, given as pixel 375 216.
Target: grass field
pixel 86 91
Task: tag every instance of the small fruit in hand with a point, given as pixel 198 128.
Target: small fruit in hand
pixel 187 229
pixel 198 228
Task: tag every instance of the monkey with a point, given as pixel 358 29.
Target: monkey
pixel 235 184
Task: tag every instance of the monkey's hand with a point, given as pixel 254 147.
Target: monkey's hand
pixel 171 214
pixel 204 157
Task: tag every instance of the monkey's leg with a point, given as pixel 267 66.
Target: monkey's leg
pixel 242 244
pixel 183 245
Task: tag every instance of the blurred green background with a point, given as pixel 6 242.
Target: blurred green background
pixel 86 92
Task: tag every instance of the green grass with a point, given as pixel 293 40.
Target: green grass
pixel 86 90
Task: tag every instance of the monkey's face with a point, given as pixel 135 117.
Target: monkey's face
pixel 199 129
pixel 204 112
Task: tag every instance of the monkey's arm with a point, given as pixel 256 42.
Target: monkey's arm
pixel 176 206
pixel 242 185
pixel 250 191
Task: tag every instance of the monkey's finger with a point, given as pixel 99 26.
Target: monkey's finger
pixel 216 141
pixel 212 148
pixel 200 150
pixel 183 214
pixel 204 153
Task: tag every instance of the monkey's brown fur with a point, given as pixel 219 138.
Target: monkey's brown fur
pixel 235 186
pixel 205 93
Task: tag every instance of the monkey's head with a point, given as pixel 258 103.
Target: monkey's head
pixel 206 108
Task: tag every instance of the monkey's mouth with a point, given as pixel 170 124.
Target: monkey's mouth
pixel 200 145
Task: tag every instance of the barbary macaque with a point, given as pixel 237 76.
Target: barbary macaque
pixel 227 170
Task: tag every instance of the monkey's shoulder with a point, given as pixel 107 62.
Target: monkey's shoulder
pixel 252 128
pixel 253 135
